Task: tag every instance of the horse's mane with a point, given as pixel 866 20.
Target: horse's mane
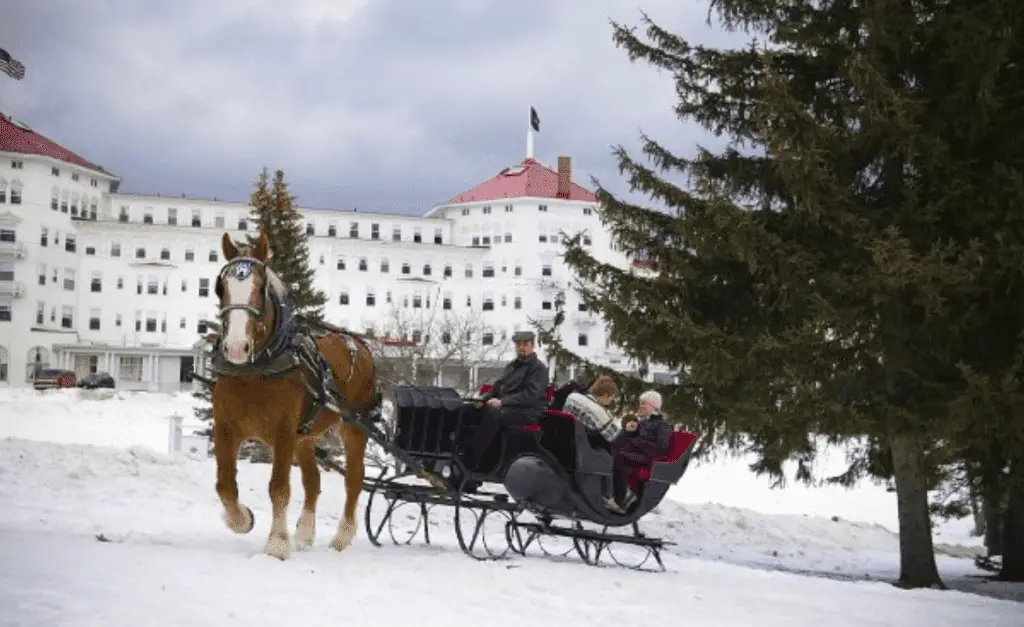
pixel 276 284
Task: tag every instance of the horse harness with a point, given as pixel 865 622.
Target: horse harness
pixel 290 346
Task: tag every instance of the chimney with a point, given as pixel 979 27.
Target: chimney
pixel 564 177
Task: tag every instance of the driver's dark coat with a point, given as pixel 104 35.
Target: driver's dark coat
pixel 522 387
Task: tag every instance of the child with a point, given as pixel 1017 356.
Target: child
pixel 647 437
pixel 590 407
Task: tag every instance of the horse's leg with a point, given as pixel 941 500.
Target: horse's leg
pixel 281 492
pixel 305 531
pixel 225 447
pixel 355 448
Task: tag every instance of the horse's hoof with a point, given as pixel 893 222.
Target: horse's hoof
pixel 278 546
pixel 252 520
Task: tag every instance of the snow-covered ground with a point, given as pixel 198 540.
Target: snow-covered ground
pixel 99 526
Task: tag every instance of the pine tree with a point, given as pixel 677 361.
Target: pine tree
pixel 814 275
pixel 274 212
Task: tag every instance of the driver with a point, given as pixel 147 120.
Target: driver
pixel 518 398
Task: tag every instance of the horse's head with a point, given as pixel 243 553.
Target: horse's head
pixel 246 310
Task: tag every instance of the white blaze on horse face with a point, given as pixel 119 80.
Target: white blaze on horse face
pixel 237 344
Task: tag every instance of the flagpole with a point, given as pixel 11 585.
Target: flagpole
pixel 529 134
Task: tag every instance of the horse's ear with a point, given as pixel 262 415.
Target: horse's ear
pixel 228 247
pixel 262 250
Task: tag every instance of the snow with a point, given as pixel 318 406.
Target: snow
pixel 98 526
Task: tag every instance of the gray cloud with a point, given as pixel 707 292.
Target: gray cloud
pixel 385 105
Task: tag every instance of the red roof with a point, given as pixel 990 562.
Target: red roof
pixel 529 179
pixel 15 137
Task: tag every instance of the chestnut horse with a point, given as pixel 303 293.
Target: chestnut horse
pixel 267 390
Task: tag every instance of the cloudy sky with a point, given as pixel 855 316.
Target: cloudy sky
pixel 380 105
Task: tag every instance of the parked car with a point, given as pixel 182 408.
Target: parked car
pixel 96 380
pixel 51 378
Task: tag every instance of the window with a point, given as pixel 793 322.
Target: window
pixel 542 238
pixel 487 339
pixel 447 270
pixel 153 286
pixel 69 279
pixel 486 240
pixel 508 208
pixel 517 302
pixel 44 237
pixel 340 265
pixel 343 298
pixel 371 298
pixel 446 302
pixel 115 249
pixel 243 225
pixel 469 271
pixel 40 312
pixel 138 285
pixel 122 214
pixel 353 230
pixel 120 282
pixel 310 229
pixel 586 240
pixel 92 209
pixel 129 367
pixel 117 320
pixel 581 306
pixel 417 300
pixel 172 216
pixel 332 230
pixel 94 319
pixel 486 210
pixel 15 193
pixel 218 220
pixel 545 270
pixel 213 255
pixel 7 235
pixel 163 325
pixel 41 269
pixel 5 311
pixel 201 327
pixel 74 176
pixel 488 304
pixel 64 201
pixel 417 235
pixel 140 253
pixel 182 323
pixel 426 269
pixel 67 317
pixel 90 251
pixel 396 234
pixel 545 305
pixel 542 208
pixel 70 243
pixel 6 271
pixel 488 272
pixel 184 285
pixel 385 267
pixel 197 218
pixel 508 238
pixel 438 236
pixel 190 255
pixel 581 339
pixel 96 283
pixel 165 254
pixel 446 337
pixel 147 215
pixel 362 264
pixel 475 241
pixel 151 323
pixel 406 268
pixel 204 287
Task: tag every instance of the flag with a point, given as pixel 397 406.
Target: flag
pixel 10 66
pixel 534 120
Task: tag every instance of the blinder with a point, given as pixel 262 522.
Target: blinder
pixel 242 268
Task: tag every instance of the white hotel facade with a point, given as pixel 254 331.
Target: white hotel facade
pixel 95 280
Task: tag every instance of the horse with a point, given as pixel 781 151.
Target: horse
pixel 269 389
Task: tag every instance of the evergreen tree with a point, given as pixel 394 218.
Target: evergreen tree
pixel 274 213
pixel 813 276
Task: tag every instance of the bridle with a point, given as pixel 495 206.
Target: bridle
pixel 242 268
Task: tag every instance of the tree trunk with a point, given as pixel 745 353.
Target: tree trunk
pixel 993 526
pixel 917 553
pixel 1013 526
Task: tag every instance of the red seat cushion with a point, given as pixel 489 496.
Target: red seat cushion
pixel 550 392
pixel 531 428
pixel 485 388
pixel 678 444
pixel 557 413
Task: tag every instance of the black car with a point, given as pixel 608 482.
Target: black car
pixel 96 380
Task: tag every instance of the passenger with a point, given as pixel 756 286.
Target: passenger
pixel 580 383
pixel 517 398
pixel 589 408
pixel 647 438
